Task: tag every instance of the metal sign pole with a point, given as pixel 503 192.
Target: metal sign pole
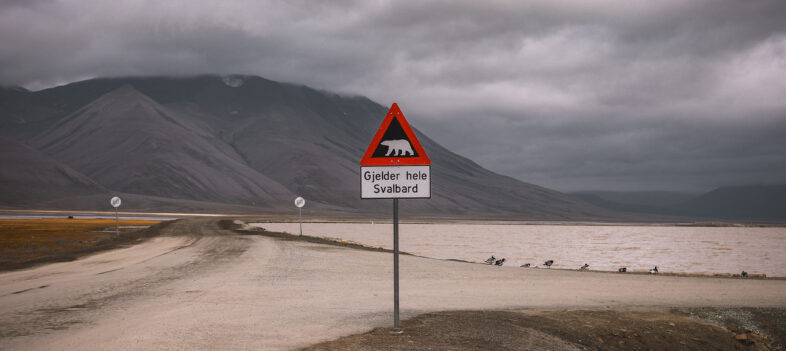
pixel 300 202
pixel 395 265
pixel 395 166
pixel 117 224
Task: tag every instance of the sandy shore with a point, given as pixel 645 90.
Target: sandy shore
pixel 199 285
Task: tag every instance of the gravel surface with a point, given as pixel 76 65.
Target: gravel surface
pixel 199 285
pixel 627 329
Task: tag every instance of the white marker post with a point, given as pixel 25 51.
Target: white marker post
pixel 115 202
pixel 395 166
pixel 300 202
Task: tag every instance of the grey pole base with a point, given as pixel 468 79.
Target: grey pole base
pixel 395 266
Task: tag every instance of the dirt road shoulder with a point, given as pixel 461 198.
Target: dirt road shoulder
pixel 576 330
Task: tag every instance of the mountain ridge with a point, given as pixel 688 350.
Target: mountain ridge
pixel 761 202
pixel 747 203
pixel 128 134
pixel 249 141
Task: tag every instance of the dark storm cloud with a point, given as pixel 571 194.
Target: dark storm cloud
pixel 574 95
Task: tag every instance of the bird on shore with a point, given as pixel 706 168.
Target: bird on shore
pixel 744 274
pixel 654 270
pixel 585 266
pixel 623 269
pixel 500 262
pixel 526 265
pixel 491 260
pixel 548 263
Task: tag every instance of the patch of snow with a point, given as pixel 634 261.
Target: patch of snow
pixel 233 81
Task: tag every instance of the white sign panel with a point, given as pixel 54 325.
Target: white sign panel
pixel 300 202
pixel 115 202
pixel 390 182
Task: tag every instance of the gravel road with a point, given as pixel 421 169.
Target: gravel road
pixel 197 286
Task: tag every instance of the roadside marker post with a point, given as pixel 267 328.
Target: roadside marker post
pixel 300 202
pixel 115 202
pixel 395 166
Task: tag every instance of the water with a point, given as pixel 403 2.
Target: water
pixel 603 247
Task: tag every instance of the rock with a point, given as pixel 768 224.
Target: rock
pixel 743 339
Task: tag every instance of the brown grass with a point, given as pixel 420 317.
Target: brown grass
pixel 27 240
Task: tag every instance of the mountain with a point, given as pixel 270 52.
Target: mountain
pixel 603 202
pixel 659 203
pixel 759 202
pixel 137 146
pixel 763 202
pixel 248 141
pixel 641 198
pixel 29 176
pixel 13 88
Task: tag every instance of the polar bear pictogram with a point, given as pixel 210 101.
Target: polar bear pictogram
pixel 398 147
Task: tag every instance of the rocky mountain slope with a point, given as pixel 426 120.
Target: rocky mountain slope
pixel 28 175
pixel 248 142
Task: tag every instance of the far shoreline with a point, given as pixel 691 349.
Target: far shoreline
pixel 284 217
pixel 245 226
pixel 348 243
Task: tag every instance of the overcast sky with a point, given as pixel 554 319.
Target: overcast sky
pixel 572 95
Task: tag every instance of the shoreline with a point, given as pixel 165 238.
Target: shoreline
pixel 242 225
pixel 200 284
pixel 696 328
pixel 246 226
pixel 366 217
pixel 702 224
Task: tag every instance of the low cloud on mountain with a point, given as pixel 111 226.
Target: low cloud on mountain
pixel 598 95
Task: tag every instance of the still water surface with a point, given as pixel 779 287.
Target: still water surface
pixel 671 248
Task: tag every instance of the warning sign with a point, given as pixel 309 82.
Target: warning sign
pixel 395 164
pixel 395 144
pixel 389 182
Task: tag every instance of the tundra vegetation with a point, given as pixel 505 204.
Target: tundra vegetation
pixel 27 241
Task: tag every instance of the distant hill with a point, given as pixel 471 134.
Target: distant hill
pixel 642 198
pixel 610 204
pixel 766 202
pixel 243 142
pixel 760 202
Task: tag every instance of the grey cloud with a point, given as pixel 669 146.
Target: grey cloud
pixel 601 94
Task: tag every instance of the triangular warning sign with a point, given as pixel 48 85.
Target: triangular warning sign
pixel 395 144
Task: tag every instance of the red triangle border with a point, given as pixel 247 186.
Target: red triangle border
pixel 422 159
